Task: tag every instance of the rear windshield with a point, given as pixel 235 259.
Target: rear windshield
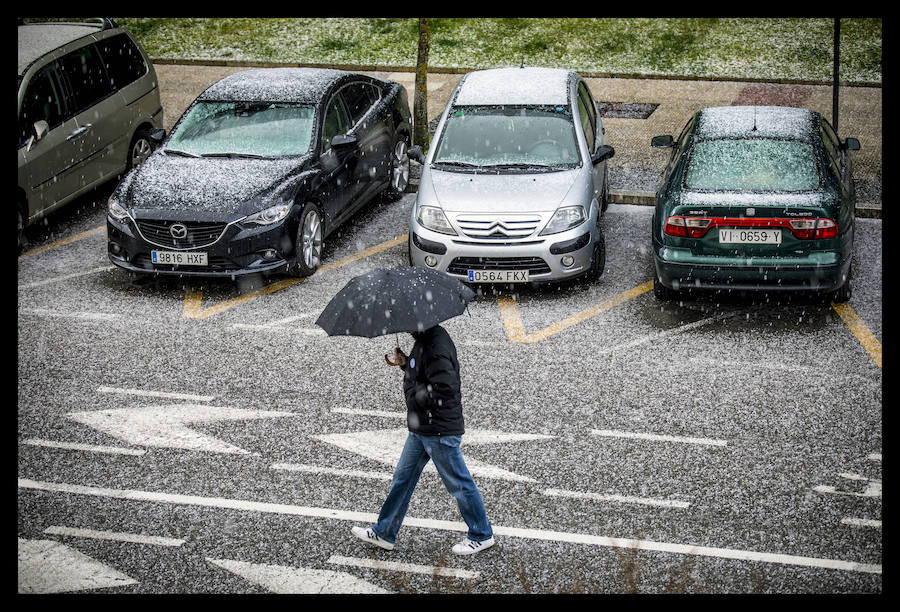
pixel 752 165
pixel 487 136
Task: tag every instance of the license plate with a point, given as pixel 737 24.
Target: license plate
pixel 498 276
pixel 749 236
pixel 179 258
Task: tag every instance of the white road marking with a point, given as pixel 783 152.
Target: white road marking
pixel 64 277
pixel 663 334
pixel 385 446
pixel 626 499
pixel 166 426
pixel 298 580
pixel 87 316
pixel 858 522
pixel 182 396
pixel 396 566
pixel 875 457
pixel 117 536
pixel 393 414
pixel 657 437
pixel 533 534
pixel 47 566
pixel 315 469
pixel 91 448
pixel 873 489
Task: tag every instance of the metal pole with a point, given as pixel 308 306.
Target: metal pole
pixel 834 87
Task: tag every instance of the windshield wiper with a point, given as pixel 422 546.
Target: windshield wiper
pixel 459 164
pixel 179 152
pixel 234 155
pixel 520 165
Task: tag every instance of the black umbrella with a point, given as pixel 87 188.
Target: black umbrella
pixel 390 300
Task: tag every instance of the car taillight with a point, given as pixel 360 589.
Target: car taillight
pixel 804 229
pixel 814 229
pixel 687 227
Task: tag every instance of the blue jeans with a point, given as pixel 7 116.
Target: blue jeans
pixel 448 459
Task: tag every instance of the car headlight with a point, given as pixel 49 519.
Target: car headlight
pixel 116 211
pixel 433 218
pixel 565 218
pixel 271 215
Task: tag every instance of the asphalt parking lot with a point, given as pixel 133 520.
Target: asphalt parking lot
pixel 200 436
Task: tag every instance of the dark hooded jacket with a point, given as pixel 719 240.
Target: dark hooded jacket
pixel 431 385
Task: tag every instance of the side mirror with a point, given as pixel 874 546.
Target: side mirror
pixel 343 141
pixel 158 135
pixel 662 142
pixel 851 144
pixel 41 128
pixel 603 153
pixel 416 154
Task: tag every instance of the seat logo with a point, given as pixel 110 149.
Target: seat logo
pixel 178 230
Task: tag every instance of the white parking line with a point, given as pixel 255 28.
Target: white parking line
pixel 657 437
pixel 90 316
pixel 91 448
pixel 365 412
pixel 414 568
pixel 182 396
pixel 64 277
pixel 533 534
pixel 858 522
pixel 117 536
pixel 625 499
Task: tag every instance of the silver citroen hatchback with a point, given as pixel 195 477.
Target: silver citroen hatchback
pixel 88 107
pixel 515 183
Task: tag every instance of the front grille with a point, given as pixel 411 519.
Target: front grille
pixel 534 265
pixel 198 234
pixel 498 228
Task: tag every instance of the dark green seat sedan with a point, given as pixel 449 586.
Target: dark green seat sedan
pixel 755 198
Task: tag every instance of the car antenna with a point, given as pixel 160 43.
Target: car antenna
pixel 754 120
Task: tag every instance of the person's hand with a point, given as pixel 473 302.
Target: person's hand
pixel 397 358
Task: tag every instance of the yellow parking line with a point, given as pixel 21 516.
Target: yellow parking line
pixel 64 241
pixel 515 330
pixel 865 336
pixel 193 299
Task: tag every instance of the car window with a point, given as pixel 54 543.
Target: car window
pixel 244 128
pixel 87 77
pixel 42 101
pixel 587 113
pixel 359 97
pixel 335 122
pixel 832 145
pixel 123 61
pixel 491 135
pixel 752 165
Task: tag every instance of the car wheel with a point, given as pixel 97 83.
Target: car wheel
pixel 661 292
pixel 845 292
pixel 399 178
pixel 21 228
pixel 309 241
pixel 598 258
pixel 141 148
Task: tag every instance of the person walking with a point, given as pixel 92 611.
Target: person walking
pixel 434 418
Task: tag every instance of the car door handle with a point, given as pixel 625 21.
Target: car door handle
pixel 78 132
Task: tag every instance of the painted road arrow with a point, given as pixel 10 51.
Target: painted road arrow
pixel 167 426
pixel 385 446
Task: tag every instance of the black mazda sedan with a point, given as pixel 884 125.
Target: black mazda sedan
pixel 259 170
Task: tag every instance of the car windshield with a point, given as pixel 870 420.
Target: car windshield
pixel 498 136
pixel 752 165
pixel 256 129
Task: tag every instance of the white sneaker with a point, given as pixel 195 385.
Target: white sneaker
pixel 367 535
pixel 470 547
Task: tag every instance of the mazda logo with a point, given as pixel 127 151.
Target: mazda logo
pixel 178 230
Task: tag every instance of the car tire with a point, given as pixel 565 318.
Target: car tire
pixel 20 226
pixel 140 149
pixel 845 292
pixel 398 179
pixel 309 242
pixel 598 258
pixel 661 292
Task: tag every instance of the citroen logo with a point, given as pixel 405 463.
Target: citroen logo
pixel 178 230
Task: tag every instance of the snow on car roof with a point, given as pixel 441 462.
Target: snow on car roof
pixel 515 86
pixel 37 39
pixel 305 85
pixel 754 122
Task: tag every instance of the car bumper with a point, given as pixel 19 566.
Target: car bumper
pixel 820 271
pixel 542 256
pixel 236 252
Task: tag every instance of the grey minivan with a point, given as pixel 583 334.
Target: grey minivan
pixel 515 182
pixel 88 107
